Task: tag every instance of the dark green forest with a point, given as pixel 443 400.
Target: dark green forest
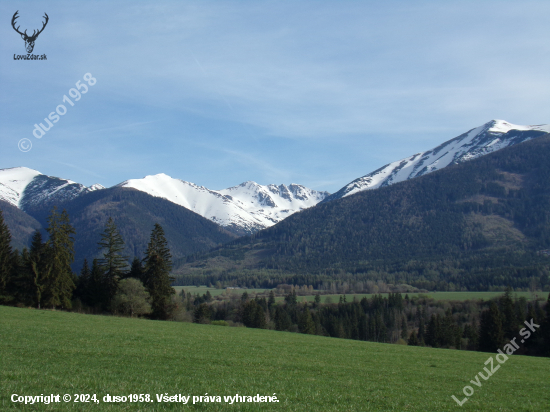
pixel 474 226
pixel 390 318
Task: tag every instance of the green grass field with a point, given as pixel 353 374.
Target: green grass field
pixel 45 352
pixel 435 295
pixel 201 290
pixel 335 298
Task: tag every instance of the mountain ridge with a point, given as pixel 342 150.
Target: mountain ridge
pixel 242 209
pixel 482 140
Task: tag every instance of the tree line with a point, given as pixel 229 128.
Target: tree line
pixel 418 321
pixel 41 276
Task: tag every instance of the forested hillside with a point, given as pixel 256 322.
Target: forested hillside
pixel 473 225
pixel 20 224
pixel 135 214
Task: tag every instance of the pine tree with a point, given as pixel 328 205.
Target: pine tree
pixel 491 336
pixel 83 283
pixel 271 299
pixel 433 332
pixel 38 267
pixel 404 330
pixel 282 319
pixel 136 270
pixel 421 326
pixel 6 261
pixel 60 248
pixel 305 322
pixel 113 264
pixel 157 266
pixel 413 339
pixel 508 312
pixel 471 333
pixel 317 299
pixel 202 314
pixel 95 294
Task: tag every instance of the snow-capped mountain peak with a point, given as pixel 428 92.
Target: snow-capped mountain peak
pixel 482 140
pixel 24 188
pixel 13 182
pixel 244 209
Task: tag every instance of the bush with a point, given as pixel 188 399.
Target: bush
pixel 131 298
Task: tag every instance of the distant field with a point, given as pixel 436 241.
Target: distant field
pixel 201 290
pixel 434 295
pixel 335 298
pixel 45 352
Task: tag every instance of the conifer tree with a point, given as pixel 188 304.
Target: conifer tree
pixel 95 296
pixel 271 299
pixel 6 261
pixel 433 332
pixel 113 263
pixel 38 267
pixel 413 339
pixel 305 322
pixel 490 329
pixel 60 248
pixel 317 299
pixel 282 319
pixel 157 266
pixel 136 269
pixel 421 325
pixel 404 330
pixel 83 283
pixel 508 313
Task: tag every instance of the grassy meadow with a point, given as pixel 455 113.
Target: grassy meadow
pixel 45 352
pixel 461 296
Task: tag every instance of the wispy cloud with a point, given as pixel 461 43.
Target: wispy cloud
pixel 239 76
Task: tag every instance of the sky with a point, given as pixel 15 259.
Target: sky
pixel 217 93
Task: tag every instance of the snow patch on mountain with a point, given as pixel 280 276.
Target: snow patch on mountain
pixel 485 139
pixel 13 183
pixel 24 188
pixel 244 209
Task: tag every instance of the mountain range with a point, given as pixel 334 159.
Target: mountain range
pixel 470 226
pixel 243 209
pixel 215 216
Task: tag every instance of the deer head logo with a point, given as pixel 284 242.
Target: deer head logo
pixel 29 40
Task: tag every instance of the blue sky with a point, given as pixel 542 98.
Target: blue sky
pixel 310 92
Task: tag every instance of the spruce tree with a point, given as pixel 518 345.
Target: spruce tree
pixel 95 294
pixel 113 263
pixel 83 283
pixel 305 322
pixel 157 266
pixel 60 248
pixel 6 261
pixel 491 336
pixel 404 329
pixel 433 332
pixel 271 299
pixel 413 339
pixel 136 269
pixel 508 312
pixel 38 267
pixel 282 319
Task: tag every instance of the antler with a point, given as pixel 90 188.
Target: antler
pixel 44 25
pixel 15 16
